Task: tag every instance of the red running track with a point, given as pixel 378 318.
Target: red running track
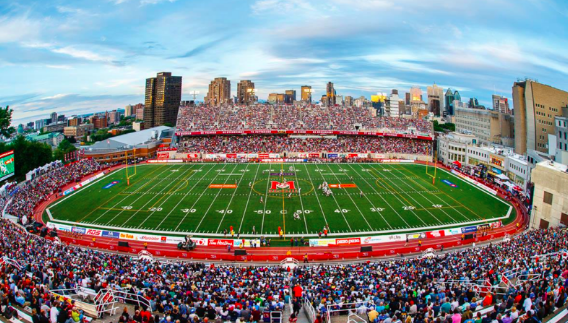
pixel 277 254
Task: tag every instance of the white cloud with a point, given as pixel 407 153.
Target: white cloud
pixel 282 6
pixel 84 54
pixel 55 97
pixel 145 2
pixel 61 67
pixel 15 29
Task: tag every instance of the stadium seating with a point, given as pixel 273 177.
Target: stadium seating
pixel 413 290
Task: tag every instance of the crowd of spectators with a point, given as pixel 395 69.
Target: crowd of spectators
pixel 280 144
pixel 410 290
pixel 312 117
pixel 27 195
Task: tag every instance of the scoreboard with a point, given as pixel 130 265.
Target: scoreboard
pixel 6 165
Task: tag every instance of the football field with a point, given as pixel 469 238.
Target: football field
pixel 206 199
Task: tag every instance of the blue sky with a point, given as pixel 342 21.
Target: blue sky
pixel 80 56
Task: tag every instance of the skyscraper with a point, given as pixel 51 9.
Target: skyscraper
pixel 245 92
pixel 393 104
pixel 330 94
pixel 290 96
pixel 128 111
pixel 219 92
pixel 53 117
pixel 535 106
pixel 163 96
pixel 415 95
pixel 348 101
pixel 306 94
pixel 435 99
pixel 449 102
pixel 501 104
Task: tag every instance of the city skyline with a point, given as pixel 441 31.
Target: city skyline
pixel 78 57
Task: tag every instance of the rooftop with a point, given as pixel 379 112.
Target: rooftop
pixel 553 166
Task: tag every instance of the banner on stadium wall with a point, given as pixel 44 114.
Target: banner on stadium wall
pixel 383 239
pixel 435 234
pixel 321 242
pixel 495 225
pixel 308 132
pixel 347 241
pixel 59 227
pixel 127 236
pixel 472 228
pixel 451 232
pixel 414 236
pixel 248 242
pixel 150 238
pixel 110 234
pixel 396 161
pixel 78 230
pixel 163 155
pixel 252 155
pixel 332 155
pixel 192 156
pixel 165 161
pixel 220 242
pixel 93 232
pixel 83 183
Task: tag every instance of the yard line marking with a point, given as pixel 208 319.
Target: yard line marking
pixel 301 202
pixel 200 195
pixel 356 206
pixel 264 207
pixel 439 198
pixel 181 174
pixel 231 200
pixel 410 196
pixel 169 194
pixel 184 196
pixel 337 203
pixel 214 199
pixel 394 193
pixel 137 190
pixel 380 213
pixel 249 195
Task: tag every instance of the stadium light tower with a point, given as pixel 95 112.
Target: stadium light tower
pixel 194 94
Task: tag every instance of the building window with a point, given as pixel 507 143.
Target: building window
pixel 547 198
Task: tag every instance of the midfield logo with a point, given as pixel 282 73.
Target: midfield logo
pixel 284 187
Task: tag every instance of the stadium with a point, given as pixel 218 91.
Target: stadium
pixel 258 213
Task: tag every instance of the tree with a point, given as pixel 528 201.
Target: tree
pixel 63 148
pixel 28 155
pixel 5 120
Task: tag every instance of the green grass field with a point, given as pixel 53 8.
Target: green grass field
pixel 178 197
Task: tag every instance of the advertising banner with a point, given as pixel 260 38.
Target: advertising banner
pixel 78 230
pixel 435 234
pixel 220 242
pixel 423 136
pixel 414 236
pixel 321 242
pixel 451 232
pixel 110 234
pixel 248 243
pixel 127 236
pixel 347 241
pixel 94 232
pixel 383 239
pixel 472 228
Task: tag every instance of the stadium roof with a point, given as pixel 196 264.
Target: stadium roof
pixel 134 139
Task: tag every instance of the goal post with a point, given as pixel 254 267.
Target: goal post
pixel 128 176
pixel 432 172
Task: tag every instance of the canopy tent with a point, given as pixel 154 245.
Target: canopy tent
pixel 457 163
pixel 503 177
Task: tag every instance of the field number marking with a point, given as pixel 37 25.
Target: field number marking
pixel 377 209
pixel 188 210
pixel 341 211
pixel 408 208
pixel 127 207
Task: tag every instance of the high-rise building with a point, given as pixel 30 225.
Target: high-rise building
pixel 535 106
pixel 128 111
pixel 449 102
pixel 435 99
pixel 277 98
pixel 393 104
pixel 306 93
pixel 245 92
pixel 74 122
pixel 490 127
pixel 99 122
pixel 561 131
pixel 163 96
pixel 53 117
pixel 348 101
pixel 39 124
pixel 501 104
pixel 290 96
pixel 219 92
pixel 415 95
pixel 140 113
pixel 113 117
pixel 330 94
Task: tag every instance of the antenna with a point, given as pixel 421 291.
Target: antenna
pixel 194 94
